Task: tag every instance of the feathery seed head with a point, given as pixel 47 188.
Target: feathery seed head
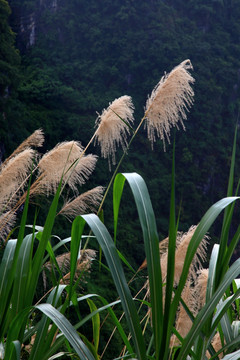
pixel 81 172
pixel 14 173
pixel 65 159
pixel 61 156
pixel 88 201
pixel 170 100
pixel 34 140
pixel 181 251
pixel 7 221
pixel 112 130
pixel 183 322
pixel 201 287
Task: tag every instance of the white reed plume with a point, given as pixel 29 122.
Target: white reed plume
pixel 36 139
pixel 88 201
pixel 183 322
pixel 201 287
pixel 64 160
pixel 7 221
pixel 170 100
pixel 181 251
pixel 113 126
pixel 13 174
pixel 81 171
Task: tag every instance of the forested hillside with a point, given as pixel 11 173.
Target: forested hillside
pixel 77 56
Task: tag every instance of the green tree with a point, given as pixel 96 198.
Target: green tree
pixel 9 67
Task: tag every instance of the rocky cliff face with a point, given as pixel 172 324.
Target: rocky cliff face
pixel 27 20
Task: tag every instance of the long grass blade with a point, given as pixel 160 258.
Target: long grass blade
pixel 212 272
pixel 19 298
pixel 38 257
pixel 229 252
pixel 10 262
pixel 226 327
pixel 75 248
pixel 107 306
pixel 222 307
pixel 228 213
pixel 15 350
pixel 151 243
pixel 110 252
pixel 201 340
pixel 233 356
pixel 13 330
pixel 95 324
pixel 5 283
pixel 68 330
pixel 40 343
pixel 167 328
pixel 118 186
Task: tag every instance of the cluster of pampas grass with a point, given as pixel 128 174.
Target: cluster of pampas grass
pixel 66 162
pixel 194 292
pixel 167 106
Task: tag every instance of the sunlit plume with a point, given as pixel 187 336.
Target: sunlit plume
pixel 13 174
pixel 8 220
pixel 35 140
pixel 65 160
pixel 88 201
pixel 113 126
pixel 169 102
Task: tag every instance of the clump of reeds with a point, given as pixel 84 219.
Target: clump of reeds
pixel 194 291
pixel 66 162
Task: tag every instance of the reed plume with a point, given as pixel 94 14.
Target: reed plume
pixel 170 100
pixel 86 202
pixel 36 139
pixel 113 126
pixel 181 251
pixel 12 177
pixel 182 242
pixel 201 287
pixel 81 172
pixel 183 322
pixel 194 296
pixel 8 219
pixel 64 160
